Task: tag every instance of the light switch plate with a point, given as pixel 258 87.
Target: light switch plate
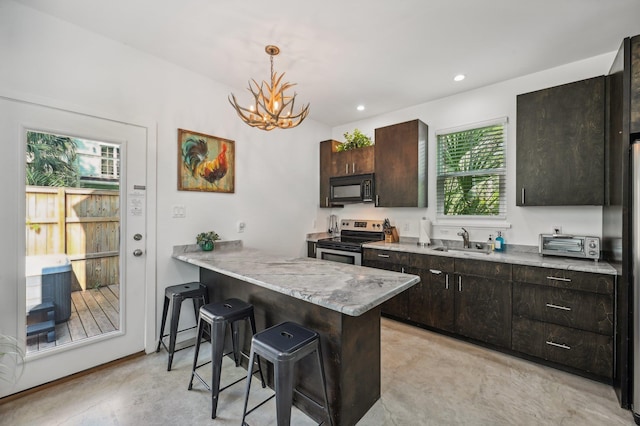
pixel 179 211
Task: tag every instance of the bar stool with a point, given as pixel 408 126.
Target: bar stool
pixel 284 345
pixel 218 315
pixel 176 294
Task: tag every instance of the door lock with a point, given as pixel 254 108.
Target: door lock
pixel 137 252
pixel 137 237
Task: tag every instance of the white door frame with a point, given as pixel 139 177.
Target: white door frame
pixel 150 127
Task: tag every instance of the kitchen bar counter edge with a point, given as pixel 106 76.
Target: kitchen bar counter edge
pixel 348 289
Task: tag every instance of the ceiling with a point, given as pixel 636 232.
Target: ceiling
pixel 383 54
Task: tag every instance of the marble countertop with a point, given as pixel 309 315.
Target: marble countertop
pixel 518 257
pixel 351 290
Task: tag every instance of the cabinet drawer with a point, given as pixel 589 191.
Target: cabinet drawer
pixel 386 256
pixel 426 262
pixel 497 270
pixel 575 280
pixel 590 352
pixel 577 309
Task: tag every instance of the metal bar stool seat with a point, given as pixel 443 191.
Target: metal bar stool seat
pixel 284 345
pixel 175 295
pixel 218 315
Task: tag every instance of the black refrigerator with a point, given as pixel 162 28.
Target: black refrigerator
pixel 621 216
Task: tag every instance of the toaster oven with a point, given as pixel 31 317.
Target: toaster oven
pixel 569 246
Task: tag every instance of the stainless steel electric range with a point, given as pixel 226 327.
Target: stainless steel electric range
pixel 347 247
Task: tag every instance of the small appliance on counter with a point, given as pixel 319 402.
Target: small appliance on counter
pixel 569 246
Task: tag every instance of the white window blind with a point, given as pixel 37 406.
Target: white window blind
pixel 471 171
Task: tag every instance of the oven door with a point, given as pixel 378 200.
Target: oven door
pixel 349 257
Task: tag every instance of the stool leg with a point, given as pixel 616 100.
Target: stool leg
pixel 248 386
pixel 252 320
pixel 324 383
pixel 173 331
pixel 235 340
pixel 217 350
pixel 284 391
pixel 197 351
pixel 165 309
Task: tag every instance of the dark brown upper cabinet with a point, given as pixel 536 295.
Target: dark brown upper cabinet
pixel 401 165
pixel 326 151
pixel 560 145
pixel 353 162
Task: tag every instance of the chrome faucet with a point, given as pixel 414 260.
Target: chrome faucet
pixel 465 237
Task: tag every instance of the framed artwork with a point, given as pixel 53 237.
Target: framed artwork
pixel 205 163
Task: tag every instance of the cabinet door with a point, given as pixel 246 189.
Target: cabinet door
pixel 341 163
pixel 326 150
pixel 362 160
pixel 401 165
pixel 311 249
pixel 560 145
pixel 483 309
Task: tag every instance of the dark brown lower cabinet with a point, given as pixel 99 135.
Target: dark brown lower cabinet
pixel 431 302
pixel 564 316
pixel 397 306
pixel 584 350
pixel 483 301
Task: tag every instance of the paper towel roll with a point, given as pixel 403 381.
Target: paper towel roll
pixel 424 237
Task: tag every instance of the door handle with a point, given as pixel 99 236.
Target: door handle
pixel 137 252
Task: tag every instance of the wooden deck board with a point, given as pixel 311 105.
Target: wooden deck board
pixel 93 319
pixel 93 312
pixel 108 293
pixel 107 308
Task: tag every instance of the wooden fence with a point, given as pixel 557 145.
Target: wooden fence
pixel 82 223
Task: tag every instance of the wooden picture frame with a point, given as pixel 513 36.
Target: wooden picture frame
pixel 205 163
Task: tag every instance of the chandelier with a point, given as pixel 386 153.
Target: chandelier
pixel 271 107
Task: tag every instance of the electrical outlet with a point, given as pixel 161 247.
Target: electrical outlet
pixel 179 211
pixel 557 229
pixel 407 227
pixel 241 226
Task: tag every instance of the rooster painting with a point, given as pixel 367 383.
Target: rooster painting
pixel 200 170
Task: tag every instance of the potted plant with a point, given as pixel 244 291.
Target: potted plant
pixel 206 240
pixel 355 140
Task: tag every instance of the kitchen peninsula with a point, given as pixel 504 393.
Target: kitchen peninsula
pixel 341 302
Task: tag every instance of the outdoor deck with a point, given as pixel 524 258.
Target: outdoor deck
pixel 93 312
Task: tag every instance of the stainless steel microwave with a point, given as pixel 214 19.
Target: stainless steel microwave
pixel 569 245
pixel 352 189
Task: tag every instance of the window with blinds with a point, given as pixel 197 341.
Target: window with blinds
pixel 471 171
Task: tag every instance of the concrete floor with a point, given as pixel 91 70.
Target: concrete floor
pixel 427 379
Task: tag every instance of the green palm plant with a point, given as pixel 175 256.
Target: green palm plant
pixel 471 185
pixel 51 160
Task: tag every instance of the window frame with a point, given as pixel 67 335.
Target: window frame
pixel 502 172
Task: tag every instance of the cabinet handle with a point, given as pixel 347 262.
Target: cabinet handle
pixel 377 200
pixel 346 168
pixel 326 201
pixel 459 283
pixel 435 271
pixel 353 168
pixel 568 280
pixel 564 308
pixel 522 196
pixel 446 281
pixel 558 345
pixel 386 256
pixel 403 269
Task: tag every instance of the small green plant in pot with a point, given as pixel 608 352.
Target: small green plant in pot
pixel 206 240
pixel 355 140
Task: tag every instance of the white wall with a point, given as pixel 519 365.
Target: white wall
pixel 523 224
pixel 275 189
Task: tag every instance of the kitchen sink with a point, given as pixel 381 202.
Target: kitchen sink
pixel 479 248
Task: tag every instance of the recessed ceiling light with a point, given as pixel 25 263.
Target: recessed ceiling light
pixel 360 108
pixel 459 77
